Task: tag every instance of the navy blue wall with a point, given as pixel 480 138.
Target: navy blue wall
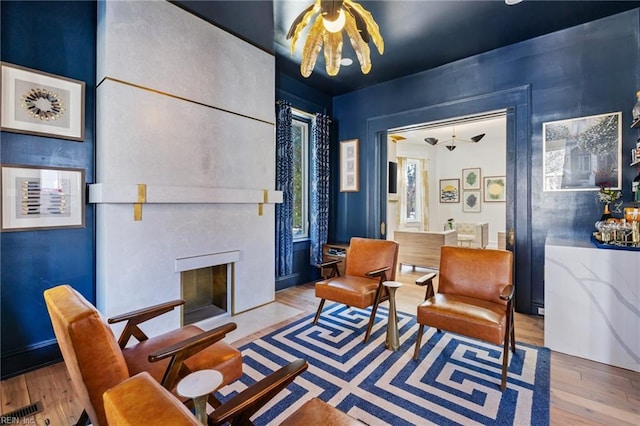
pixel 309 100
pixel 590 69
pixel 59 38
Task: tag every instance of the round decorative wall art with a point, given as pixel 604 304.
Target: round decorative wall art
pixel 43 104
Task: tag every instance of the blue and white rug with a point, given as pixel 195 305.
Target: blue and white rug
pixel 454 381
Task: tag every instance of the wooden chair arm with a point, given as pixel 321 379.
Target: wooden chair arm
pixel 328 263
pixel 333 264
pixel 180 351
pixel 427 280
pixel 148 312
pixel 242 406
pixel 136 317
pixel 377 272
pixel 507 292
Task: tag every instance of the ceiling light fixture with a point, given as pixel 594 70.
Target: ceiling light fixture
pixel 326 31
pixel 451 145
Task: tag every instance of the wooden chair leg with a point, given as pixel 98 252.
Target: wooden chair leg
pixel 84 419
pixel 418 342
pixel 371 320
pixel 505 357
pixel 513 334
pixel 315 320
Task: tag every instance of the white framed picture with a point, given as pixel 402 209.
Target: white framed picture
pixel 36 197
pixel 42 104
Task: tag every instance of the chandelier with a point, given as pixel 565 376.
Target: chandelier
pixel 450 144
pixel 332 17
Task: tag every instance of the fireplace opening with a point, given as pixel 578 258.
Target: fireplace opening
pixel 205 293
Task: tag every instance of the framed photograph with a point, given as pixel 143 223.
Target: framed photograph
pixel 471 178
pixel 38 103
pixel 471 201
pixel 449 190
pixel 41 197
pixel 583 154
pixel 349 170
pixel 495 188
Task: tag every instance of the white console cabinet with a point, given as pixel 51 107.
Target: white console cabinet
pixel 592 303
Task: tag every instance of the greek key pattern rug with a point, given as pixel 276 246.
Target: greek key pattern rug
pixel 454 381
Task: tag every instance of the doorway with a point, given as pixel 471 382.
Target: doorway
pixel 466 153
pixel 516 103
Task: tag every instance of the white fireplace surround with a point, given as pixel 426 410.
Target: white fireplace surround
pixel 206 260
pixel 185 138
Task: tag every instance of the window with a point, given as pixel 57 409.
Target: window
pixel 413 194
pixel 300 132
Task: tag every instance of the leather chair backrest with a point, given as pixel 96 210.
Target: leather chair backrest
pixel 367 254
pixel 477 273
pixel 89 348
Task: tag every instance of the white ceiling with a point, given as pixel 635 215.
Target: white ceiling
pixel 465 128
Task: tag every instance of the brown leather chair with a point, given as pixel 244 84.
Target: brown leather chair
pixel 474 298
pixel 369 263
pixel 97 362
pixel 140 400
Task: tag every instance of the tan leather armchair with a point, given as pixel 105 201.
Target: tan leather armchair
pixel 140 400
pixel 97 362
pixel 474 298
pixel 369 262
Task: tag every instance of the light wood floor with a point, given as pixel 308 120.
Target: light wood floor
pixel 582 392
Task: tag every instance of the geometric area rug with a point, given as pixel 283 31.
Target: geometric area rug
pixel 455 381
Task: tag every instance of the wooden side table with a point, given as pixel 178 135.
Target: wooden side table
pixel 393 341
pixel 197 386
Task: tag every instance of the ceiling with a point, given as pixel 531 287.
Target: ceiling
pixel 418 34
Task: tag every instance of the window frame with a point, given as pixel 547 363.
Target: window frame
pixel 303 121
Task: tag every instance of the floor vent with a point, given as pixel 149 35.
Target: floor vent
pixel 29 410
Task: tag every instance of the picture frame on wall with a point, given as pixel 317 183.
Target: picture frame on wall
pixel 582 154
pixel 471 201
pixel 471 178
pixel 449 190
pixel 41 198
pixel 349 167
pixel 494 189
pixel 42 104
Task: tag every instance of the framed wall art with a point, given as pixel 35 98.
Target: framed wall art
pixel 41 197
pixel 471 178
pixel 471 201
pixel 349 170
pixel 449 190
pixel 582 154
pixel 38 103
pixel 494 188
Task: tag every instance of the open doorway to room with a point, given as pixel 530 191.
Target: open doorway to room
pixel 450 174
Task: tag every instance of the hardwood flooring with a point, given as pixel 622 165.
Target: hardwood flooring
pixel 582 392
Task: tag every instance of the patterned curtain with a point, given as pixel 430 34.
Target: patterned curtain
pixel 319 194
pixel 284 183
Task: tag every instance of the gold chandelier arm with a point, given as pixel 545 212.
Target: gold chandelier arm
pixel 332 51
pixel 312 47
pixel 300 22
pixel 373 28
pixel 361 48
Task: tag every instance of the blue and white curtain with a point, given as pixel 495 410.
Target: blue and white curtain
pixel 319 176
pixel 284 183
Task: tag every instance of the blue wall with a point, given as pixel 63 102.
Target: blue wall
pixel 590 69
pixel 59 38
